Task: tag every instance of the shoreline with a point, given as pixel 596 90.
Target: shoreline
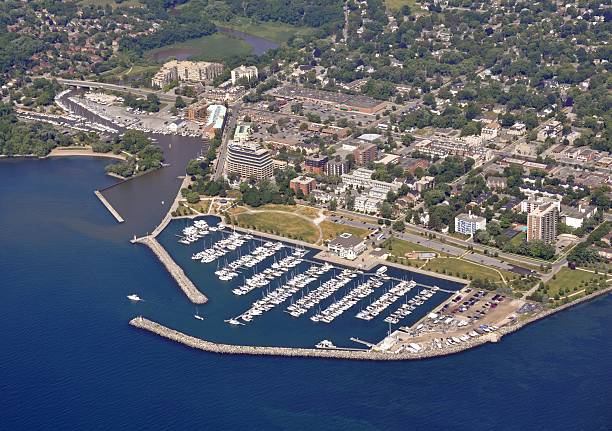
pixel 366 355
pixel 81 152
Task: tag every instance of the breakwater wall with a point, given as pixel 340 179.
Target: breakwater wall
pixel 109 207
pixel 175 271
pixel 367 355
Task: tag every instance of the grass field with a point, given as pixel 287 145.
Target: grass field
pixel 399 247
pixel 217 47
pixel 569 281
pixel 298 209
pixel 464 269
pixel 397 4
pixel 275 31
pixel 201 206
pixel 518 239
pixel 280 224
pixel 332 230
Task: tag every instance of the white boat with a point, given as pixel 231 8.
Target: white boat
pixel 197 315
pixel 134 297
pixel 233 322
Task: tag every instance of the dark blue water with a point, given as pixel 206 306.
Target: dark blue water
pixel 69 360
pixel 275 327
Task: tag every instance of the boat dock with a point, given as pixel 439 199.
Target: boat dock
pixel 365 343
pixel 175 271
pixel 109 207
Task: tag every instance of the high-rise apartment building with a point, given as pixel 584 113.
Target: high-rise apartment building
pixel 542 223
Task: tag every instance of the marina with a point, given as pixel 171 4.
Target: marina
pixel 264 291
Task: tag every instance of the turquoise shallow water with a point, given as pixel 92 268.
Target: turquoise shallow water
pixel 69 360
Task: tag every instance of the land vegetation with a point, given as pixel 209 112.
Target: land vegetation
pixel 24 138
pixel 143 155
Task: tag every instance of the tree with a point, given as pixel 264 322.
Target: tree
pixel 386 210
pixel 433 197
pixel 482 237
pixel 193 197
pixel 179 103
pixel 399 226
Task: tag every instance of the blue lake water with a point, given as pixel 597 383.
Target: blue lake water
pixel 275 327
pixel 69 359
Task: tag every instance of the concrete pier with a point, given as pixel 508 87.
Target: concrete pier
pixel 175 271
pixel 109 207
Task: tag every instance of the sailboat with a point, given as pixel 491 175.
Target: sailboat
pixel 197 315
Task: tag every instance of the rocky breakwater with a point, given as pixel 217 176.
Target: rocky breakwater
pixel 175 271
pixel 229 349
pixel 370 355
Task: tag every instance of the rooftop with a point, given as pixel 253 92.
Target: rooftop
pixel 346 240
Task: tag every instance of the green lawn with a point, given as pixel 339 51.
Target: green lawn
pixel 399 247
pixel 332 230
pixel 216 47
pixel 569 281
pixel 280 224
pixel 518 239
pixel 464 269
pixel 275 31
pixel 397 4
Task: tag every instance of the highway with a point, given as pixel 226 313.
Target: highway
pixel 114 87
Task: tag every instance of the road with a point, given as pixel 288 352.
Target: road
pixel 433 244
pixel 121 88
pixel 232 113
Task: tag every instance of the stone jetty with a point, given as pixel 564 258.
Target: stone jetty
pixel 175 271
pixel 369 355
pixel 109 207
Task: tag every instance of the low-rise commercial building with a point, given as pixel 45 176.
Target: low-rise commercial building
pixel 575 217
pixel 242 132
pixel 339 101
pixel 347 246
pixel 215 120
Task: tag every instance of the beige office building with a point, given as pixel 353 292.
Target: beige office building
pixel 249 160
pixel 542 223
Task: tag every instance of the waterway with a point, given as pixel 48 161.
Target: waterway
pixel 143 201
pixel 70 360
pixel 259 46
